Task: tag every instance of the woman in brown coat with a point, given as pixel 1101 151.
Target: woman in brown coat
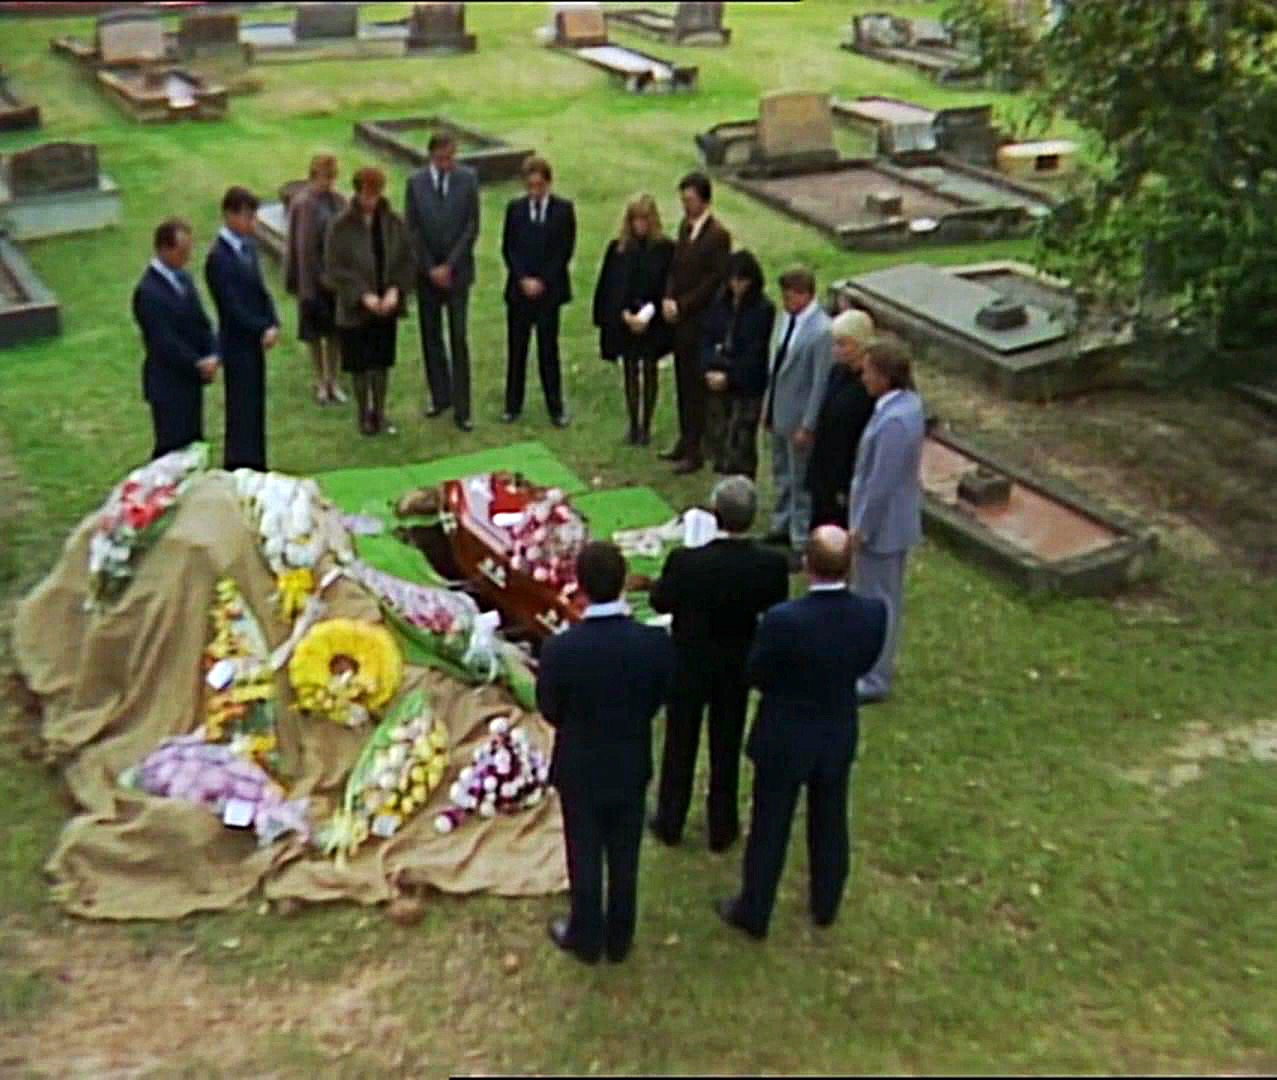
pixel 309 214
pixel 369 265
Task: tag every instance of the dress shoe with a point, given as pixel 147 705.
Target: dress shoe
pixel 465 425
pixel 434 410
pixel 644 437
pixel 657 830
pixel 822 922
pixel 674 453
pixel 869 699
pixel 717 847
pixel 617 956
pixel 558 931
pixel 726 909
pixel 687 466
pixel 561 421
pixel 509 417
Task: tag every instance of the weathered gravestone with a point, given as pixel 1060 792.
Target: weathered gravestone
pixel 580 27
pixel 205 32
pixel 795 124
pixel 52 168
pixel 130 37
pixel 326 21
pixel 697 17
pixel 430 23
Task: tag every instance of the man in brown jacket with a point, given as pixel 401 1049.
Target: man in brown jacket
pixel 696 274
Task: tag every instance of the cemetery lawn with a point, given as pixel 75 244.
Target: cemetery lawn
pixel 1055 866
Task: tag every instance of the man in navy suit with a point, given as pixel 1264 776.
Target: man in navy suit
pixel 807 656
pixel 537 244
pixel 181 353
pixel 247 327
pixel 600 684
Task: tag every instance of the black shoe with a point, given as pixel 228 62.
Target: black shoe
pixel 655 828
pixel 509 417
pixel 726 909
pixel 719 846
pixel 465 424
pixel 617 956
pixel 632 437
pixel 777 539
pixel 561 421
pixel 435 410
pixel 558 931
pixel 870 699
pixel 644 437
pixel 823 923
pixel 687 466
pixel 674 453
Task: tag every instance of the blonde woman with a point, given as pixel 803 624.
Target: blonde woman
pixel 627 309
pixel 309 214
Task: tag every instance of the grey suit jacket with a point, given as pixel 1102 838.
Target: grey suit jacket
pixel 799 386
pixel 444 230
pixel 886 490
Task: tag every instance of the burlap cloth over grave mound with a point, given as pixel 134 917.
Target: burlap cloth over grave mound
pixel 115 685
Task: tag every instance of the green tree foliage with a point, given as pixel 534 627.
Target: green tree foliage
pixel 1181 96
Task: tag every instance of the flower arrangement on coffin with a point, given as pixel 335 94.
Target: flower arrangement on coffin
pixel 346 670
pixel 506 774
pixel 546 538
pixel 449 628
pixel 240 695
pixel 295 529
pixel 134 516
pixel 240 792
pixel 402 763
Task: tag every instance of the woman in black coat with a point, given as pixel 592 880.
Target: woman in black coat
pixel 627 309
pixel 844 412
pixel 735 338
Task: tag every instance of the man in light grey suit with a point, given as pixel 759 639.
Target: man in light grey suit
pixel 885 516
pixel 799 370
pixel 441 210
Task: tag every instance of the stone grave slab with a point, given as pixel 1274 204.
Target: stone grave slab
pixel 795 124
pixel 689 24
pixel 58 190
pixel 28 308
pixel 130 37
pixel 326 21
pixel 15 112
pixel 404 140
pixel 163 94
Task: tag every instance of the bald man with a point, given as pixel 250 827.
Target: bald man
pixel 844 414
pixel 807 656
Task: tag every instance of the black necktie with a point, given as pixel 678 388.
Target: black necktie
pixel 182 282
pixel 538 213
pixel 248 252
pixel 439 184
pixel 777 361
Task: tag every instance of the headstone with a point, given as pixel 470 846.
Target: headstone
pixel 882 31
pixel 132 36
pixel 436 22
pixel 689 18
pixel 53 167
pixel 796 122
pixel 206 31
pixel 326 21
pixel 581 26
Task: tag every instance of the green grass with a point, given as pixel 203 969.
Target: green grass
pixel 1016 905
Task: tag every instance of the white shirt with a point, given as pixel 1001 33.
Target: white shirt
pixel 798 320
pixel 538 208
pixel 234 239
pixel 169 275
pixel 881 403
pixel 698 224
pixel 827 586
pixel 435 176
pixel 606 611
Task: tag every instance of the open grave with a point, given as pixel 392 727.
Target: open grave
pixel 697 23
pixel 15 112
pixel 28 308
pixel 922 44
pixel 1042 537
pixel 1024 335
pixel 56 188
pixel 788 160
pixel 405 140
pixel 581 31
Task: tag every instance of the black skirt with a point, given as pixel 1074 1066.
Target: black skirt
pixel 369 346
pixel 317 317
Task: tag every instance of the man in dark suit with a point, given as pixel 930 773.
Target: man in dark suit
pixel 807 656
pixel 537 244
pixel 441 210
pixel 716 594
pixel 600 684
pixel 696 274
pixel 181 351
pixel 247 326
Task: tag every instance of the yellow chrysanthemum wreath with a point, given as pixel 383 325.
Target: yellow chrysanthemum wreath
pixel 346 669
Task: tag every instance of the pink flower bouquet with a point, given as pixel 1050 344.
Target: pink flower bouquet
pixel 506 774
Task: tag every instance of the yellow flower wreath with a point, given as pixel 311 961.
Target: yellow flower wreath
pixel 346 669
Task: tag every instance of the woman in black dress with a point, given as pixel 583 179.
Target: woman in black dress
pixel 627 309
pixel 844 412
pixel 735 338
pixel 369 265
